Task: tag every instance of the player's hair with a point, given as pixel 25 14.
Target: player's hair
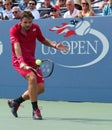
pixel 26 14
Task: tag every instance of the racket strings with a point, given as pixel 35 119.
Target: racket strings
pixel 46 68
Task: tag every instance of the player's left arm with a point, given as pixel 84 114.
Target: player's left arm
pixel 50 43
pixel 58 46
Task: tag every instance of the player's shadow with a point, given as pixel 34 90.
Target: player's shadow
pixel 84 120
pixel 68 119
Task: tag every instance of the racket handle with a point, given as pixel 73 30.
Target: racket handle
pixel 27 67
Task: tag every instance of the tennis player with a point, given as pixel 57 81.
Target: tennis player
pixel 23 41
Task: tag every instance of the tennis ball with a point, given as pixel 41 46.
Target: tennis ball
pixel 38 62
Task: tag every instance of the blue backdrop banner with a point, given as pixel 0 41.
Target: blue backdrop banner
pixel 83 73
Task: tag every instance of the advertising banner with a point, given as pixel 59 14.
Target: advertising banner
pixel 83 73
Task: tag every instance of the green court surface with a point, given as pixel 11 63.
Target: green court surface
pixel 58 116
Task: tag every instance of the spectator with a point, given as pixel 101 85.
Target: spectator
pixel 32 8
pixel 15 3
pixel 105 2
pixel 40 2
pixel 97 4
pixel 53 2
pixel 16 12
pixel 1 6
pixel 55 12
pixel 77 4
pixel 61 3
pixel 1 18
pixel 46 11
pixel 107 9
pixel 71 9
pixel 86 9
pixel 7 13
pixel 23 5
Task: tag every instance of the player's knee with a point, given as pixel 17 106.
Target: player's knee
pixel 32 79
pixel 41 88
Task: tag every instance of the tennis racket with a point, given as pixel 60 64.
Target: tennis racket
pixel 45 69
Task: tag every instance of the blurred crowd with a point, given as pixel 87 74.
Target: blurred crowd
pixel 41 9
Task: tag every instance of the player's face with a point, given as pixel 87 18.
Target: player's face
pixel 26 23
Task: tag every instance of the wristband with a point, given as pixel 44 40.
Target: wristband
pixel 20 59
pixel 55 46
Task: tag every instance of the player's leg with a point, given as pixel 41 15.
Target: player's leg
pixel 32 93
pixel 36 111
pixel 34 89
pixel 25 95
pixel 15 103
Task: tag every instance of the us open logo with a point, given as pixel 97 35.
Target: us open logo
pixel 87 46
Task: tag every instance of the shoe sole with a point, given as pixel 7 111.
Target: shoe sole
pixel 40 118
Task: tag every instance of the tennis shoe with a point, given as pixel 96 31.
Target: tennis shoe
pixel 14 107
pixel 37 115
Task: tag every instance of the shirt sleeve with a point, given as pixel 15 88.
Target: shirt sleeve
pixel 13 35
pixel 40 36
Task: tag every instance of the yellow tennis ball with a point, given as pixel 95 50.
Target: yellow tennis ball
pixel 38 62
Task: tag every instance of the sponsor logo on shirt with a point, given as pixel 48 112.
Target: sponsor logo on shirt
pixel 34 29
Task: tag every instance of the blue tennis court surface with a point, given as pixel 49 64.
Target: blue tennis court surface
pixel 58 116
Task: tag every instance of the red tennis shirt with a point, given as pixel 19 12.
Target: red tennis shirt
pixel 27 42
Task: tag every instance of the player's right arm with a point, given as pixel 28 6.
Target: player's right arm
pixel 18 53
pixel 16 47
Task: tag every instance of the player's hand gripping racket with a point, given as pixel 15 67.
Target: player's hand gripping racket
pixel 44 69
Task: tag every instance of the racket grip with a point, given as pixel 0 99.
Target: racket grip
pixel 27 68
